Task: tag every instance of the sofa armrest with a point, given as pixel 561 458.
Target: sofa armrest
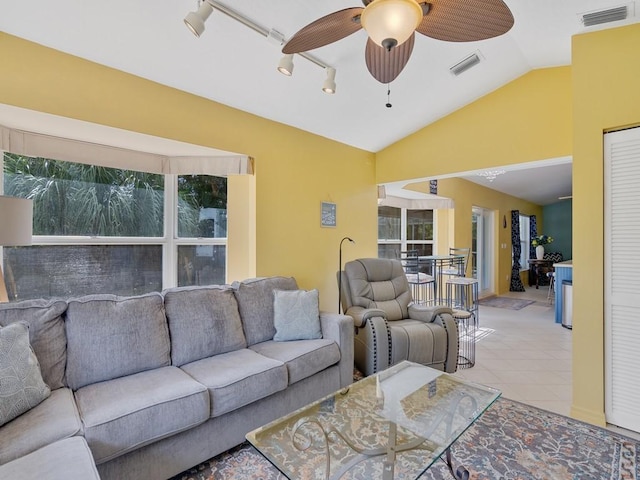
pixel 360 315
pixel 426 313
pixel 339 328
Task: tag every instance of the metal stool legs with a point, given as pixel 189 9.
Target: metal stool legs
pixel 462 297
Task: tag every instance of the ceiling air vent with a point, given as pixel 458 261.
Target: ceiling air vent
pixel 465 64
pixel 605 16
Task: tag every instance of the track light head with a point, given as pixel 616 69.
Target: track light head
pixel 329 85
pixel 195 20
pixel 285 66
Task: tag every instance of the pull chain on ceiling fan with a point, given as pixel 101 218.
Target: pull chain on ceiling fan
pixel 391 27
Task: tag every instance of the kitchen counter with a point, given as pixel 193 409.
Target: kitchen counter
pixel 563 271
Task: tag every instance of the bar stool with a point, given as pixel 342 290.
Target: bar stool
pixel 462 298
pixel 462 293
pixel 552 286
pixel 466 338
pixel 422 285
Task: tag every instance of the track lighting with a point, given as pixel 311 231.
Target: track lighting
pixel 195 20
pixel 285 66
pixel 329 85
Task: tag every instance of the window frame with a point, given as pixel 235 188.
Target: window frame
pixel 403 242
pixel 169 241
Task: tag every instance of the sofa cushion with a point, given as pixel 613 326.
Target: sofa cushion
pixel 303 358
pixel 126 413
pixel 110 337
pixel 238 378
pixel 255 303
pixel 21 384
pixel 203 321
pixel 53 419
pixel 46 334
pixel 296 315
pixel 68 459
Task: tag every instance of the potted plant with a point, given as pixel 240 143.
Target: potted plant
pixel 539 241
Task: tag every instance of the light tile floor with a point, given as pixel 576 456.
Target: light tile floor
pixel 524 353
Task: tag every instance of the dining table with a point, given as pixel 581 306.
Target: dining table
pixel 438 266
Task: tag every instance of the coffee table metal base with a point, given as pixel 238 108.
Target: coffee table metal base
pixel 395 424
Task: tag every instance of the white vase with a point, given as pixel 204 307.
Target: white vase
pixel 540 252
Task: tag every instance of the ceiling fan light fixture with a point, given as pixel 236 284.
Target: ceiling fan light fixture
pixel 195 20
pixel 329 85
pixel 491 175
pixel 285 66
pixel 391 22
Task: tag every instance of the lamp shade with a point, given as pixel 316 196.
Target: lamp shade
pixel 195 20
pixel 285 66
pixel 329 85
pixel 391 22
pixel 16 221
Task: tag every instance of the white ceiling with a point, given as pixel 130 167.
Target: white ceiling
pixel 234 65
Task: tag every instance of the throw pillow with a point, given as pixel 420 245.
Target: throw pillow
pixel 296 315
pixel 21 384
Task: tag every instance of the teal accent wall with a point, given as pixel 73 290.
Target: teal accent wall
pixel 557 223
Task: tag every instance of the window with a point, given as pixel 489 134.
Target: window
pixel 420 231
pixel 400 229
pixel 202 214
pixel 389 232
pixel 106 230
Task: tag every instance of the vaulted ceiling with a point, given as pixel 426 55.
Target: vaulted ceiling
pixel 236 66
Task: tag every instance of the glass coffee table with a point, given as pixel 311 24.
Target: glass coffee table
pixel 393 425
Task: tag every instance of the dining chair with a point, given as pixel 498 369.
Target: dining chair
pixel 458 267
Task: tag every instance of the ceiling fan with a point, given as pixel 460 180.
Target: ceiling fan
pixel 391 26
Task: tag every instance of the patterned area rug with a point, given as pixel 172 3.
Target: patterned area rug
pixel 511 441
pixel 505 302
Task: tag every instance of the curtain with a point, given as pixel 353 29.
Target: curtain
pixel 516 283
pixel 533 231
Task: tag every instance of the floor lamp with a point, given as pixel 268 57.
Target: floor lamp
pixel 340 273
pixel 16 225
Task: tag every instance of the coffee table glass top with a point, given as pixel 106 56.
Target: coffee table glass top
pixel 393 425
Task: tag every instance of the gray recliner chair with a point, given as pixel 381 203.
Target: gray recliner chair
pixel 389 326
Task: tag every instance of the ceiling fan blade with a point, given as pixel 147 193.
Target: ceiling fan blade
pixel 385 65
pixel 325 30
pixel 466 20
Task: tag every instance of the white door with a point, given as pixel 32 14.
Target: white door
pixel 622 278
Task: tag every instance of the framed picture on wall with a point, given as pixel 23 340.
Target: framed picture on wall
pixel 328 214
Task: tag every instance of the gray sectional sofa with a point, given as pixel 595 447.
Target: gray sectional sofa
pixel 149 386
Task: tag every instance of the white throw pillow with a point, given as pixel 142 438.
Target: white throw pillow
pixel 296 315
pixel 21 384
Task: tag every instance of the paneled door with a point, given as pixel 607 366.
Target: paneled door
pixel 622 277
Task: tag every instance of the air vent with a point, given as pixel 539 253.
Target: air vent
pixel 465 64
pixel 605 16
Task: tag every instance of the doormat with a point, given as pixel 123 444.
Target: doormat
pixel 505 302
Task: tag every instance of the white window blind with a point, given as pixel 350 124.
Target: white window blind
pixel 622 277
pixel 33 144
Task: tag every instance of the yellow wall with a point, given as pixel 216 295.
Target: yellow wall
pixel 526 120
pixel 606 69
pixel 295 170
pixel 467 195
pixel 544 114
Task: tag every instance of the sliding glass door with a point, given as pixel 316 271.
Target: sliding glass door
pixel 482 264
